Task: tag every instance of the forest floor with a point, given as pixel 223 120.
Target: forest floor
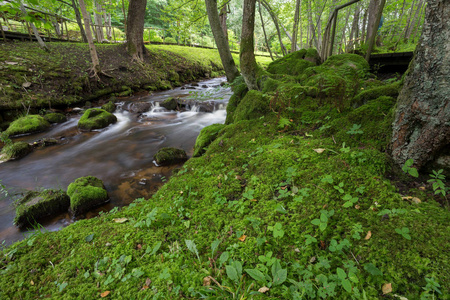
pixel 290 200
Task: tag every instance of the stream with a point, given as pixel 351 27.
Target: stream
pixel 121 154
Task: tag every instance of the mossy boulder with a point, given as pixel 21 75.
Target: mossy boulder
pixel 96 118
pixel 170 103
pixel 28 124
pixel 254 105
pixel 15 151
pixel 312 55
pixel 169 156
pixel 207 136
pixel 55 118
pixel 85 194
pixel 364 96
pixel 109 107
pixel 36 206
pixel 291 64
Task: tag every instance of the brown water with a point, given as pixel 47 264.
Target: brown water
pixel 121 154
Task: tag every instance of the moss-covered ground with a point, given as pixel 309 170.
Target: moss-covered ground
pixel 289 201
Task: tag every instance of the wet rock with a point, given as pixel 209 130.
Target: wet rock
pixel 169 156
pixel 109 107
pixel 195 84
pixel 139 107
pixel 36 206
pixel 45 142
pixel 27 124
pixel 86 193
pixel 170 103
pixel 55 118
pixel 205 86
pixel 96 118
pixel 15 151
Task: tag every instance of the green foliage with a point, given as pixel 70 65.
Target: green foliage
pixel 438 183
pixel 407 168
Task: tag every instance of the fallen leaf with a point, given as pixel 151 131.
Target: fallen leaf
pixel 26 84
pixel 242 238
pixel 148 281
pixel 422 188
pixel 108 244
pixel 263 289
pixel 11 63
pixel 238 177
pixel 207 281
pixel 312 260
pixel 104 294
pixel 139 246
pixel 32 282
pixel 254 200
pixel 369 234
pixel 416 200
pixel 307 134
pixel 387 288
pixel 120 220
pixel 297 250
pixel 407 198
pixel 357 206
pixel 144 287
pixel 319 150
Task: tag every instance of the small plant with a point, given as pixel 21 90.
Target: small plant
pixel 322 222
pixel 404 232
pixel 277 230
pixel 410 170
pixel 438 181
pixel 430 289
pixel 355 129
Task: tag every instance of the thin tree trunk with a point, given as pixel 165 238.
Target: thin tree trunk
pixel 276 23
pixel 414 21
pixel 393 30
pixel 223 20
pixel 353 32
pixel 247 56
pixel 373 10
pixel 364 27
pixel 124 16
pixel 92 49
pixel 36 33
pixel 419 24
pixel 408 22
pixel 80 24
pixel 374 29
pixel 298 3
pixel 342 47
pixel 231 70
pixel 4 36
pixel 264 30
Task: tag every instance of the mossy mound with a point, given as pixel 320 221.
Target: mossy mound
pixel 254 105
pixel 291 64
pixel 169 156
pixel 206 136
pixel 109 107
pixel 85 194
pixel 28 124
pixel 36 206
pixel 364 96
pixel 96 118
pixel 55 118
pixel 15 150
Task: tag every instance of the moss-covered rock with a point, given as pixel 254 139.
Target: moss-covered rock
pixel 85 194
pixel 96 118
pixel 170 103
pixel 36 206
pixel 55 118
pixel 28 124
pixel 313 56
pixel 169 156
pixel 391 90
pixel 15 151
pixel 109 107
pixel 206 136
pixel 252 106
pixel 291 64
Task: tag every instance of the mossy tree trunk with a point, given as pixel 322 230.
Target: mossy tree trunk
pixel 231 70
pixel 421 129
pixel 135 29
pixel 247 55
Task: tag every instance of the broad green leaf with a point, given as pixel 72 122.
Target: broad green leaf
pixel 315 222
pixel 341 273
pixel 89 238
pixel 232 273
pixel 256 274
pixel 275 268
pixel 280 277
pixel 224 257
pixel 322 226
pixel 214 246
pixel 369 267
pixel 347 285
pixel 352 276
pixel 156 248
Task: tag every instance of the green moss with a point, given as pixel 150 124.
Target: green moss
pixel 15 150
pixel 85 194
pixel 168 156
pixel 270 85
pixel 170 103
pixel 391 90
pixel 95 118
pixel 55 118
pixel 206 136
pixel 27 124
pixel 109 107
pixel 291 64
pixel 37 206
pixel 252 106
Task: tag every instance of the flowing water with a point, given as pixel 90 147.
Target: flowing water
pixel 121 154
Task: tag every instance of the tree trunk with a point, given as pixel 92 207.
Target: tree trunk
pixel 264 30
pixel 36 33
pixel 419 24
pixel 408 21
pixel 135 29
pixel 373 10
pixel 124 16
pixel 276 23
pixel 222 43
pixel 92 49
pixel 80 24
pixel 364 27
pixel 98 22
pixel 298 3
pixel 373 28
pixel 223 20
pixel 421 129
pixel 3 33
pixel 247 56
pixel 353 32
pixel 413 21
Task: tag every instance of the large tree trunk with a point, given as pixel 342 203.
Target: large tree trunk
pixel 421 129
pixel 298 3
pixel 247 55
pixel 223 19
pixel 222 43
pixel 92 49
pixel 135 29
pixel 372 11
pixel 79 22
